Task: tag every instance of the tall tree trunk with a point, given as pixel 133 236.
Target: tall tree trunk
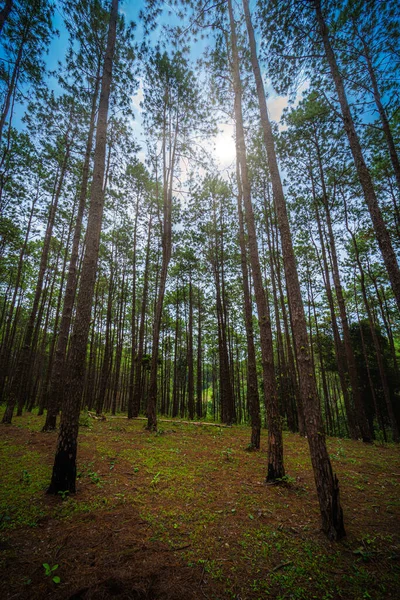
pixel 134 400
pixel 378 412
pixel 326 482
pixel 120 345
pixel 108 350
pixel 166 256
pixel 253 400
pixel 5 12
pixel 351 362
pixel 45 395
pixel 133 314
pixel 378 350
pixel 12 85
pixel 57 372
pixel 287 382
pixel 199 384
pixel 382 234
pixel 175 401
pixel 340 356
pixel 21 381
pixel 275 442
pixel 394 158
pixel 64 470
pixel 7 339
pixel 190 355
pixel 217 258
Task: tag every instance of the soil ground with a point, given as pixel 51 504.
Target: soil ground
pixel 186 514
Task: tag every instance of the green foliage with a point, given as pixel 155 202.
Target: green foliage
pixel 48 571
pixel 228 454
pixel 85 420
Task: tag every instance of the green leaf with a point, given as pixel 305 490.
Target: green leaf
pixel 54 568
pixel 56 579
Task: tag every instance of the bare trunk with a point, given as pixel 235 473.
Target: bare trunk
pixel 21 379
pixel 64 470
pixel 275 442
pixel 166 256
pixel 253 400
pixel 5 12
pixel 134 402
pixel 190 355
pixel 326 482
pixel 57 373
pixel 394 158
pixel 382 234
pixel 199 386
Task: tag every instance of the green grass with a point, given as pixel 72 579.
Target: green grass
pixel 198 491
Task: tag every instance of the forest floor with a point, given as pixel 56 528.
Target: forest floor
pixel 186 514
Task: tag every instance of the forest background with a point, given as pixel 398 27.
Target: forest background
pixel 169 281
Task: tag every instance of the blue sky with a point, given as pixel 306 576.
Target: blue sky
pixel 224 146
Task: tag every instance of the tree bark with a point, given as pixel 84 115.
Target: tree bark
pixel 199 383
pixel 134 400
pixel 378 351
pixel 5 12
pixel 382 234
pixel 166 256
pixel 394 158
pixel 253 400
pixel 351 363
pixel 275 442
pixel 326 482
pixel 57 372
pixel 190 355
pixel 21 379
pixel 64 470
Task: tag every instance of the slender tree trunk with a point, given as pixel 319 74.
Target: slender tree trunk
pixel 6 341
pixel 13 83
pixel 378 351
pixel 21 381
pixel 394 158
pixel 351 363
pixel 190 354
pixel 321 362
pixel 326 482
pixel 57 373
pixel 134 400
pixel 199 385
pixel 340 356
pixel 64 470
pixel 253 400
pixel 133 314
pixel 366 360
pixel 166 256
pixel 120 343
pixel 108 350
pixel 275 442
pixel 5 12
pixel 382 234
pixel 175 401
pixel 45 395
pixel 285 380
pixel 217 258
